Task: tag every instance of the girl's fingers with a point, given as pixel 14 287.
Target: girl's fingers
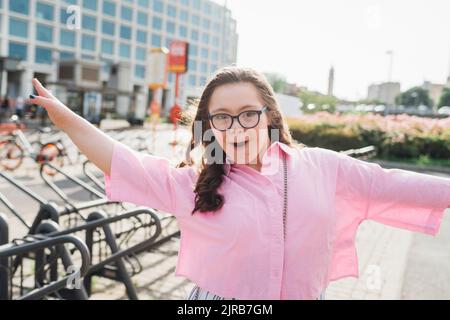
pixel 42 101
pixel 41 90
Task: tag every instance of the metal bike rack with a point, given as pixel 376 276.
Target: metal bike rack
pixel 4 262
pixel 95 192
pixel 36 245
pixel 91 176
pixel 113 266
pixel 361 153
pixel 76 180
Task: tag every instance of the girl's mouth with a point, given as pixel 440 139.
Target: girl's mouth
pixel 240 144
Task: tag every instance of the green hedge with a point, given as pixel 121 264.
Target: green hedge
pixel 402 140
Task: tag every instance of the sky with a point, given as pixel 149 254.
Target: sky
pixel 301 39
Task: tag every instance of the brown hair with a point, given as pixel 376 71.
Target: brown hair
pixel 211 173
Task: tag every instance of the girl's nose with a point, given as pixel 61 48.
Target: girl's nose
pixel 236 126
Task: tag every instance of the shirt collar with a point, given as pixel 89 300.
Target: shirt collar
pixel 275 145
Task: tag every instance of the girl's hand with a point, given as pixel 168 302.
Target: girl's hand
pixel 91 141
pixel 57 111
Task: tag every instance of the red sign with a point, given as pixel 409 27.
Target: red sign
pixel 175 114
pixel 178 56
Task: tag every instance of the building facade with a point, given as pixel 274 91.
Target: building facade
pixel 79 46
pixel 435 91
pixel 384 92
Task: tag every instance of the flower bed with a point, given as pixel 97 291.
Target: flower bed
pixel 394 136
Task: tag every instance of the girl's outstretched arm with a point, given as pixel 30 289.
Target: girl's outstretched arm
pixel 95 144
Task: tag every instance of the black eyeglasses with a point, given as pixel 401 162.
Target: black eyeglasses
pixel 247 119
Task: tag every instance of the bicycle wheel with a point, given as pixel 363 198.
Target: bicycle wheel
pixel 51 153
pixel 11 155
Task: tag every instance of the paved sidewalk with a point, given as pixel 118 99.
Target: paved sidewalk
pixel 398 264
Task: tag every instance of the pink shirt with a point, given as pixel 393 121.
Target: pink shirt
pixel 239 250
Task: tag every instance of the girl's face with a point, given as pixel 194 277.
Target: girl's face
pixel 243 142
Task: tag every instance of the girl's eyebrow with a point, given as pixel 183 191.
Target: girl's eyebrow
pixel 241 108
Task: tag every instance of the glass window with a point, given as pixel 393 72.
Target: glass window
pixel 107 46
pixel 215 41
pixel 182 31
pixel 43 55
pixel 184 2
pixel 18 28
pixel 206 23
pixel 192 80
pixel 194 35
pixel 205 38
pixel 124 50
pixel 157 23
pixel 214 55
pixel 207 8
pixel 184 16
pixel 170 27
pixel 205 53
pixel 192 65
pixel 64 16
pixel 109 8
pixel 204 67
pixel 193 50
pixel 141 36
pixel 106 66
pixel 139 71
pixel 125 32
pixel 196 4
pixel 90 4
pixel 44 11
pixel 108 27
pixel 19 6
pixel 67 38
pixel 87 57
pixel 88 42
pixel 156 40
pixel 171 11
pixel 89 22
pixel 142 18
pixel 196 20
pixel 44 33
pixel 158 6
pixel 202 81
pixel 126 13
pixel 143 3
pixel 66 55
pixel 18 50
pixel 140 53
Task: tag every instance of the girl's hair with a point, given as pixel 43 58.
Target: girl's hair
pixel 211 173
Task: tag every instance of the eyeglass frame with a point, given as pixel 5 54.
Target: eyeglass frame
pixel 259 112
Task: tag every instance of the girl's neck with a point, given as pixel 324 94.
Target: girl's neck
pixel 256 166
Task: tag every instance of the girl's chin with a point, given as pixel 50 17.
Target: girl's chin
pixel 243 158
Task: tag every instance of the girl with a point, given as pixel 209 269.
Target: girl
pixel 259 217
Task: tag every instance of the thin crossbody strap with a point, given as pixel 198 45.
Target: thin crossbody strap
pixel 285 197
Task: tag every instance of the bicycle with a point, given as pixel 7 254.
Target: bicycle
pixel 15 147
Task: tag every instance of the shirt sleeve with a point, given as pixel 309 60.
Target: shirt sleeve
pixel 395 197
pixel 150 181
